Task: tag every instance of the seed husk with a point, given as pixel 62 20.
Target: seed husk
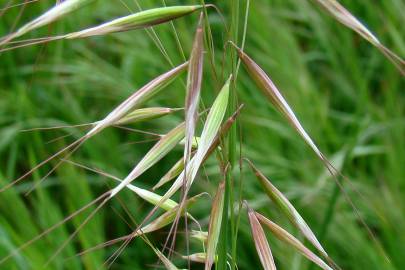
pixel 138 20
pixel 269 89
pixel 179 166
pixel 208 138
pixel 53 14
pixel 196 257
pixel 145 114
pixel 214 228
pixel 341 14
pixel 157 152
pixel 139 97
pixel 287 209
pixel 194 79
pixel 286 237
pixel 261 243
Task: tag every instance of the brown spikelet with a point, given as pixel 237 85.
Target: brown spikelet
pixel 261 243
pixel 194 79
pixel 284 236
pixel 341 14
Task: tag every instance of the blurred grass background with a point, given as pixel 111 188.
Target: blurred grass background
pixel 347 95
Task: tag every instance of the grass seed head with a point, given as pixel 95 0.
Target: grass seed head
pixel 196 257
pixel 53 14
pixel 138 98
pixel 177 168
pixel 341 14
pixel 144 114
pixel 284 236
pixel 269 89
pixel 156 153
pixel 287 209
pixel 208 138
pixel 194 79
pixel 138 20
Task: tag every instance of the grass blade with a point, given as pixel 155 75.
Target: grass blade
pixel 261 243
pixel 284 236
pixel 215 225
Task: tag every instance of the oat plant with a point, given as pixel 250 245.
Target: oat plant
pixel 200 134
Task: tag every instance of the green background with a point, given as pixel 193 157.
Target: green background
pixel 347 95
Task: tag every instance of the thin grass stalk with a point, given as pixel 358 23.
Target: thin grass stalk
pixel 147 195
pixel 165 144
pixel 157 224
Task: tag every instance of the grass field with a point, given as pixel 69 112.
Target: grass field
pixel 348 96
